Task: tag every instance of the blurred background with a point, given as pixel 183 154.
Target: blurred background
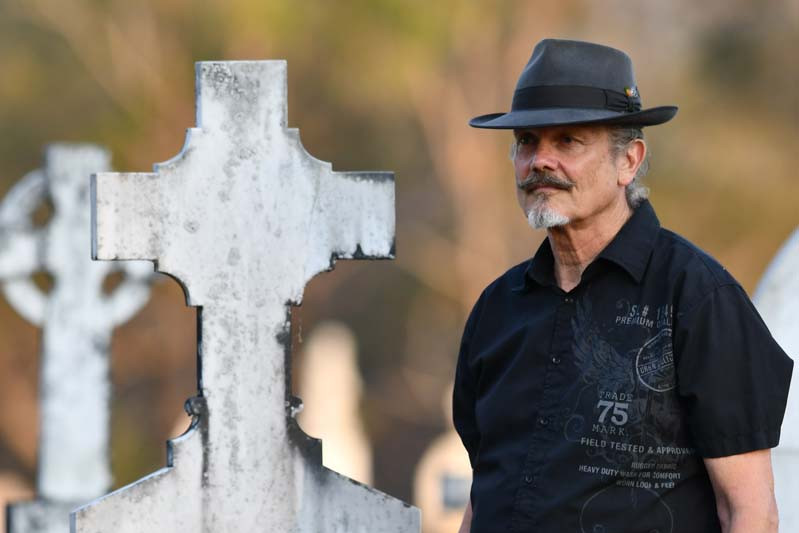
pixel 387 85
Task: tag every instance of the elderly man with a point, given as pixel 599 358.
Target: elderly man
pixel 620 380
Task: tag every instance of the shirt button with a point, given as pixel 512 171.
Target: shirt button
pixel 543 421
pixel 568 299
pixel 555 360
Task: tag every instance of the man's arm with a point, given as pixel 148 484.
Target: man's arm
pixel 744 488
pixel 466 525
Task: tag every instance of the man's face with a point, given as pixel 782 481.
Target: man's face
pixel 566 174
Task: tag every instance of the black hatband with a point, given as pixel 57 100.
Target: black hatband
pixel 574 96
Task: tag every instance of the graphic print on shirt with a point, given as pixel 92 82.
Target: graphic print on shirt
pixel 654 363
pixel 611 507
pixel 625 417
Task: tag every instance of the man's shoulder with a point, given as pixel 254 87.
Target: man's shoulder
pixel 511 279
pixel 498 294
pixel 679 259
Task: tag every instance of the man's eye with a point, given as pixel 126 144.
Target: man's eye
pixel 525 139
pixel 567 139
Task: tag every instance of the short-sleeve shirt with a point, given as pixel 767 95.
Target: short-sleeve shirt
pixel 591 411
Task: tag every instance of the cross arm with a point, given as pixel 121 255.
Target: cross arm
pixel 20 252
pixel 129 212
pixel 353 217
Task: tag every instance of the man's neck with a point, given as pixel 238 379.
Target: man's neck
pixel 576 245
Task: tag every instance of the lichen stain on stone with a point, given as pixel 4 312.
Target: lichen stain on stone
pixel 154 245
pixel 375 177
pixel 245 153
pixel 230 166
pixel 233 256
pixel 234 463
pixel 223 195
pixel 218 289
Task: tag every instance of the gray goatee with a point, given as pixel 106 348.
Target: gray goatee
pixel 540 215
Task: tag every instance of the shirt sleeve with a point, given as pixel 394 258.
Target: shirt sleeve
pixel 464 394
pixel 732 376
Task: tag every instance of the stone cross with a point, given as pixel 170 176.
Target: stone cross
pixel 76 318
pixel 777 300
pixel 243 217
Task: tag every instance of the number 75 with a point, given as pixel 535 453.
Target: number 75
pixel 619 416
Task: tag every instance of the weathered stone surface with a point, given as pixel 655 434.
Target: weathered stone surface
pixel 777 300
pixel 41 516
pixel 76 318
pixel 243 217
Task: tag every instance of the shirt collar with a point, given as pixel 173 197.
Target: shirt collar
pixel 632 246
pixel 630 249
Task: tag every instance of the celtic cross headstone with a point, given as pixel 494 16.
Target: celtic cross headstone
pixel 777 300
pixel 243 217
pixel 76 318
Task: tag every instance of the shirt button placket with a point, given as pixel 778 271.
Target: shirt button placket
pixel 547 423
pixel 568 300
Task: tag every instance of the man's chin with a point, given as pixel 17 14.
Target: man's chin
pixel 541 217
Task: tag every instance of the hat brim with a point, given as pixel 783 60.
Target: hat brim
pixel 559 116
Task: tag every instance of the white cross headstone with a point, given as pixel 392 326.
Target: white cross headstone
pixel 76 318
pixel 331 388
pixel 243 217
pixel 777 300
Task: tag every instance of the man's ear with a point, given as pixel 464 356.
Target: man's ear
pixel 630 160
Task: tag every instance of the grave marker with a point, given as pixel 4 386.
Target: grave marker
pixel 76 319
pixel 243 217
pixel 443 478
pixel 331 387
pixel 777 300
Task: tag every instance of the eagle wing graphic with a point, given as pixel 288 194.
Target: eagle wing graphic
pixel 598 360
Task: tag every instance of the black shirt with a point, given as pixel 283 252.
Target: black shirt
pixel 591 411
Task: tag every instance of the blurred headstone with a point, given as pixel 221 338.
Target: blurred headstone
pixel 331 389
pixel 777 300
pixel 244 217
pixel 12 488
pixel 443 479
pixel 76 317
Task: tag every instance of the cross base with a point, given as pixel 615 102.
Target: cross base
pixel 39 516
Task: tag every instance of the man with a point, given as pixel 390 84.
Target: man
pixel 620 380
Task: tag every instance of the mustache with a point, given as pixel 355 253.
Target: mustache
pixel 544 179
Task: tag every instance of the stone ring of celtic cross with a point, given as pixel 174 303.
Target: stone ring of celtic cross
pixel 59 248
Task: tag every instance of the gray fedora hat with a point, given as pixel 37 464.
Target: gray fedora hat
pixel 575 82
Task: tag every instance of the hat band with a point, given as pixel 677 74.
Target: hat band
pixel 575 96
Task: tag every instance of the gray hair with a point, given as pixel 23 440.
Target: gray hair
pixel 620 139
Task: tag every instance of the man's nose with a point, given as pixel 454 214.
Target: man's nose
pixel 544 157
